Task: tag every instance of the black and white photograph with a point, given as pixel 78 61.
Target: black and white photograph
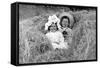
pixel 56 33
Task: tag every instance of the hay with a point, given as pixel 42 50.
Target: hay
pixel 34 47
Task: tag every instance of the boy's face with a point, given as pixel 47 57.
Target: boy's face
pixel 53 28
pixel 64 22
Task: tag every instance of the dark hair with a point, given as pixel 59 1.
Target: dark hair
pixel 65 17
pixel 50 26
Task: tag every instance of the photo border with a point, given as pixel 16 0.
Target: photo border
pixel 15 33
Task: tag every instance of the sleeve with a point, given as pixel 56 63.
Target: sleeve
pixel 70 35
pixel 63 44
pixel 61 38
pixel 47 36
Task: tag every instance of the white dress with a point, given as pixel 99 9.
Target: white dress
pixel 57 40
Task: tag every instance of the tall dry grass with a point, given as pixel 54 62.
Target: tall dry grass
pixel 34 47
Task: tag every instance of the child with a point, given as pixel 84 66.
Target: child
pixel 65 21
pixel 54 35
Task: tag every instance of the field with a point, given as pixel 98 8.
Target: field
pixel 34 47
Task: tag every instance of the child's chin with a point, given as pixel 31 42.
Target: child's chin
pixel 64 26
pixel 53 31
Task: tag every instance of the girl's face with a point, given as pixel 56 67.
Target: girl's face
pixel 64 22
pixel 53 28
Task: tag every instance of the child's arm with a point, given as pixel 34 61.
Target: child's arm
pixel 69 36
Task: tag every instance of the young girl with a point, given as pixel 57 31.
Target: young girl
pixel 65 21
pixel 55 36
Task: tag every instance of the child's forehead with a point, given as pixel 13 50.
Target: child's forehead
pixel 53 24
pixel 65 18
